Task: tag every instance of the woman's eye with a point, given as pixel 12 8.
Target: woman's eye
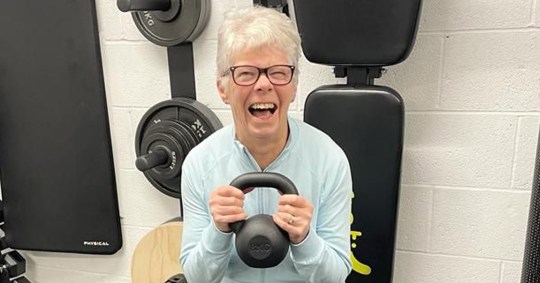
pixel 278 74
pixel 245 74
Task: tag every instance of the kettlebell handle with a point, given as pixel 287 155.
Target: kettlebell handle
pixel 262 179
pixel 265 179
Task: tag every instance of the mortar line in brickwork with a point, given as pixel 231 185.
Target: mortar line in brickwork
pixel 455 256
pixel 533 12
pixel 145 108
pixel 149 228
pixel 514 152
pixel 82 271
pixel 483 30
pixel 441 70
pixel 501 271
pixel 432 32
pixel 134 170
pixel 430 218
pixel 476 189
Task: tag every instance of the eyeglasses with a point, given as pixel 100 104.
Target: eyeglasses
pixel 246 75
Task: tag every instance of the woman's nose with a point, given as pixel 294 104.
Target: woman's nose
pixel 263 83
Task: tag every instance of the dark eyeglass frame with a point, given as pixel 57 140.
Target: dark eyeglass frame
pixel 262 71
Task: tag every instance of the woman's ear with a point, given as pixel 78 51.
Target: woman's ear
pixel 222 91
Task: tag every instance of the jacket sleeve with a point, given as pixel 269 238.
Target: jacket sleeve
pixel 324 256
pixel 205 251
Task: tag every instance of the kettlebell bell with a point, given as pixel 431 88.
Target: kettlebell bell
pixel 260 243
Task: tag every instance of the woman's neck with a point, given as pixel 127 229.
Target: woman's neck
pixel 265 151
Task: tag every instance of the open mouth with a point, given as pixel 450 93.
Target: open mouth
pixel 262 110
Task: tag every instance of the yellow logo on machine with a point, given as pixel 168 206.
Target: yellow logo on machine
pixel 357 266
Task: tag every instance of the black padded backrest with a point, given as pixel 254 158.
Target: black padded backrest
pixel 56 166
pixel 367 123
pixel 357 32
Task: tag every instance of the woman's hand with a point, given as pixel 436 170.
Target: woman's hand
pixel 294 216
pixel 226 206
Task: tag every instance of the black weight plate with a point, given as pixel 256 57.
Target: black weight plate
pixel 187 25
pixel 182 119
pixel 172 169
pixel 178 139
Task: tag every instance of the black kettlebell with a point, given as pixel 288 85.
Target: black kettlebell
pixel 260 242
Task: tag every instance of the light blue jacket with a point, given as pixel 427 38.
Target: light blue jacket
pixel 321 173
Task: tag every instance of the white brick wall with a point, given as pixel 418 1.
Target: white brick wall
pixel 472 93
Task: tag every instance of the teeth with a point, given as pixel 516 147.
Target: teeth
pixel 262 106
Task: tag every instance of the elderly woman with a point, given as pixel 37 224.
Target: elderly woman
pixel 258 52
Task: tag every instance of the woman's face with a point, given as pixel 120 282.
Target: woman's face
pixel 259 110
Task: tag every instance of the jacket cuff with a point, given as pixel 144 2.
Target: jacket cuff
pixel 308 250
pixel 215 241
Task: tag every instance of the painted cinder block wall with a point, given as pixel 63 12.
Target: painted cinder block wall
pixel 471 88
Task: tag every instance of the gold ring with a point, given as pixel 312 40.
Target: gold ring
pixel 291 220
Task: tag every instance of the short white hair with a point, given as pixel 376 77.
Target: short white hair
pixel 252 28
